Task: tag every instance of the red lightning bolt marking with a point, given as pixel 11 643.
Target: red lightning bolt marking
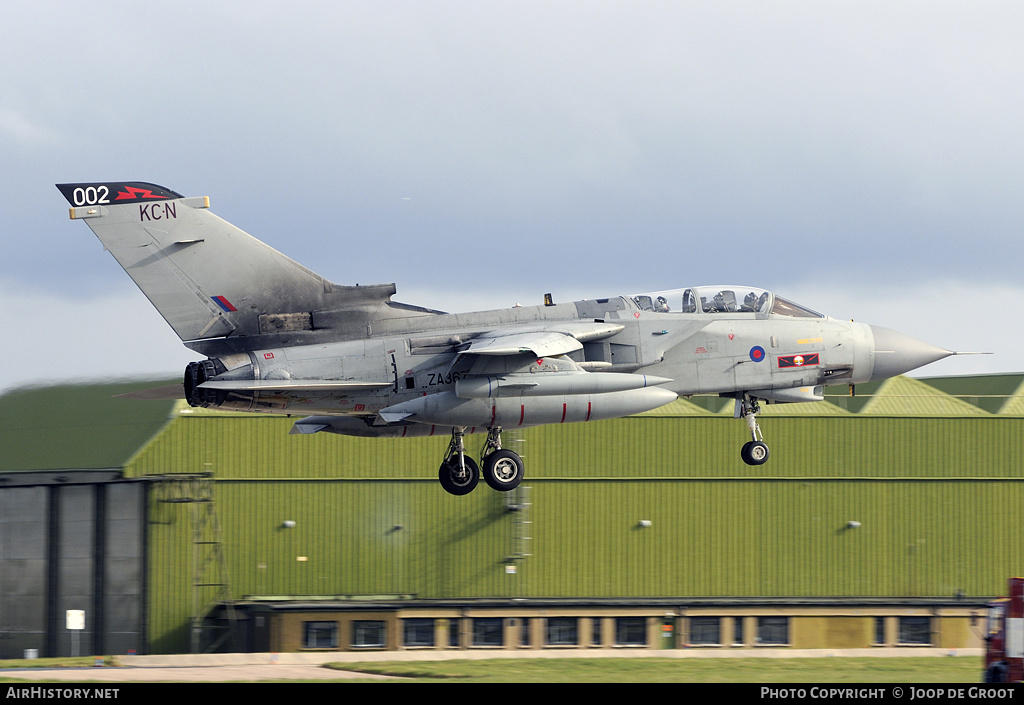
pixel 133 192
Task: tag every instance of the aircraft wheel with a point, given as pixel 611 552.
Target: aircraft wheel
pixel 456 482
pixel 754 453
pixel 503 470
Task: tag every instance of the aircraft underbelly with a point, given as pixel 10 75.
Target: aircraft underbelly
pixel 445 408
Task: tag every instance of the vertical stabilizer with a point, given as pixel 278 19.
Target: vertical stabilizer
pixel 206 277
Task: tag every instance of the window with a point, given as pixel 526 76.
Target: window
pixel 488 631
pixel 705 631
pixel 320 635
pixel 716 300
pixel 595 631
pixel 784 307
pixel 418 632
pixel 737 632
pixel 562 631
pixel 916 631
pixel 773 631
pixel 454 627
pixel 524 631
pixel 368 634
pixel 879 631
pixel 631 631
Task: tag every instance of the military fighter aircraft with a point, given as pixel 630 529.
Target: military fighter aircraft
pixel 280 339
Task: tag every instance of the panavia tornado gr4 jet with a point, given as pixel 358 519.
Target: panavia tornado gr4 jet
pixel 280 339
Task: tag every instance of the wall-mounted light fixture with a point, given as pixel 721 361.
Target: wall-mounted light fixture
pixel 644 523
pixel 288 524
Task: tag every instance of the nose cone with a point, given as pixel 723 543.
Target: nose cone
pixel 896 353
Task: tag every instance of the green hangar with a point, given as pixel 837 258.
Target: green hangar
pixel 885 519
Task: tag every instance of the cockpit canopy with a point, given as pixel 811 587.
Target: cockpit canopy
pixel 721 299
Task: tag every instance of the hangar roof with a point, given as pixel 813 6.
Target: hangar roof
pixel 77 426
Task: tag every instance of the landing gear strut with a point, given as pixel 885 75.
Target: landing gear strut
pixel 754 451
pixel 459 474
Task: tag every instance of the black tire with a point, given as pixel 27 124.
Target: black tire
pixel 503 470
pixel 448 475
pixel 754 453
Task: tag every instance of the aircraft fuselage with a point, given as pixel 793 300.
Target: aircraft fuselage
pixel 775 357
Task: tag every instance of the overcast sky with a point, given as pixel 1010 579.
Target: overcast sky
pixel 863 158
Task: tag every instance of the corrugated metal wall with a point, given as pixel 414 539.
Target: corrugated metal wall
pixel 24 527
pixel 940 503
pixel 71 547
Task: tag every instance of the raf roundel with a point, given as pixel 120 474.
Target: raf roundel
pixel 757 353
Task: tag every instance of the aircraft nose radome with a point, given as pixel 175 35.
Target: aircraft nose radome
pixel 896 353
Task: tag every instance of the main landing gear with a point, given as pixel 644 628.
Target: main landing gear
pixel 754 451
pixel 502 469
pixel 458 473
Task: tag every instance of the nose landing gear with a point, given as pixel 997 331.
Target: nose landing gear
pixel 754 451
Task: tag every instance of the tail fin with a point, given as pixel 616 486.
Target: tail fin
pixel 209 279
